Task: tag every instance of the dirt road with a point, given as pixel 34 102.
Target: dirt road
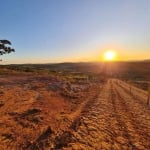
pixel 116 120
pixel 112 117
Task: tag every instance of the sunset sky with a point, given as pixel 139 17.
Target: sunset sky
pixel 45 31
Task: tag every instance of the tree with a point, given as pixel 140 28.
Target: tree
pixel 5 47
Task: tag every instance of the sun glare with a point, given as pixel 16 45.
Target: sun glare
pixel 109 56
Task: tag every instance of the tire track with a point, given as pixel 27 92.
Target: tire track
pixel 106 121
pixel 101 126
pixel 67 136
pixel 135 105
pixel 140 136
pixel 121 122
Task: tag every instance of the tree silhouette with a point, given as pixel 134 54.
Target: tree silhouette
pixel 5 47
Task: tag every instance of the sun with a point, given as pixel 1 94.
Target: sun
pixel 109 55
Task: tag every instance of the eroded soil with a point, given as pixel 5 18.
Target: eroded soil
pixel 115 120
pixel 34 109
pixel 106 117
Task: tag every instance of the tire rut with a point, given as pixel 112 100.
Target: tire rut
pixel 67 137
pixel 120 120
pixel 103 125
pixel 142 135
pixel 138 138
pixel 106 122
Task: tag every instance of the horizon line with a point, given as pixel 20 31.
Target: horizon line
pixel 62 62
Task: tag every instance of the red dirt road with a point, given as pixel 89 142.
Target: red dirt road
pixel 111 118
pixel 116 120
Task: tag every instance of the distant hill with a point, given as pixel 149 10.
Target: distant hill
pixel 147 60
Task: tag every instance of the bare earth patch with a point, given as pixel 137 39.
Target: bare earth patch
pixel 44 112
pixel 35 109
